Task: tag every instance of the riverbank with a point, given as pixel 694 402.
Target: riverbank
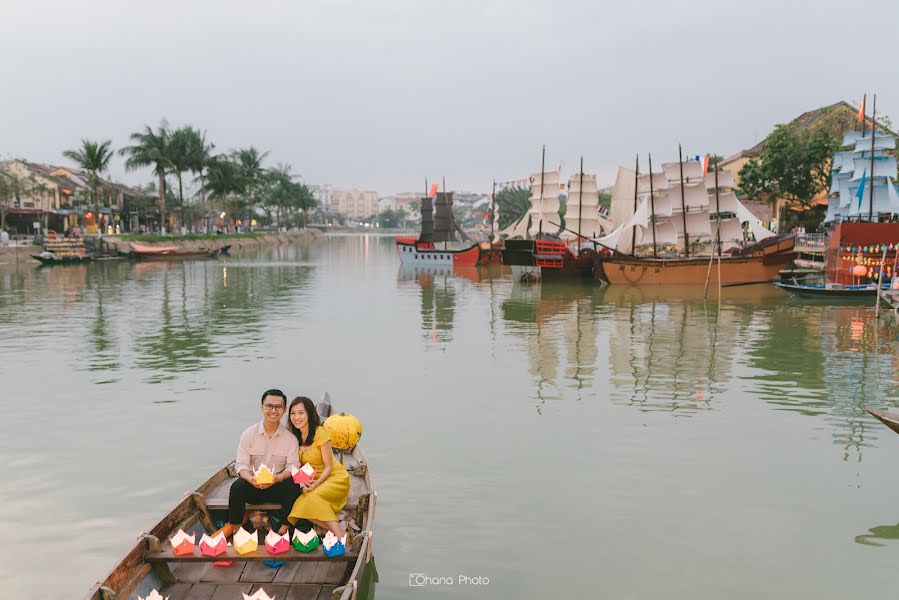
pixel 19 257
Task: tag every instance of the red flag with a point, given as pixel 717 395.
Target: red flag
pixel 433 190
pixel 861 111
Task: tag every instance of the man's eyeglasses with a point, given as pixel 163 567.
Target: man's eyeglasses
pixel 271 407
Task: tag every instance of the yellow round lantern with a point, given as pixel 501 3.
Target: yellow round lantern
pixel 345 430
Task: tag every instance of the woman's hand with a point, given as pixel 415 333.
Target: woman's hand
pixel 309 486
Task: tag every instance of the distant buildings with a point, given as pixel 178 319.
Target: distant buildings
pixel 354 204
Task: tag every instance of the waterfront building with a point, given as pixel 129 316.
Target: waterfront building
pixel 58 198
pixel 354 204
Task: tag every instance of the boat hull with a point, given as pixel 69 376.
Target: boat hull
pixel 414 253
pixel 889 419
pixel 759 266
pixel 554 260
pixel 825 292
pixel 69 260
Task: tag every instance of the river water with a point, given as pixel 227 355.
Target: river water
pixel 551 440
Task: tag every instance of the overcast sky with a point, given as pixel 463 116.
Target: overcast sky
pixel 381 94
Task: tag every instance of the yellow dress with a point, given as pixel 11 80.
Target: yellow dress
pixel 330 496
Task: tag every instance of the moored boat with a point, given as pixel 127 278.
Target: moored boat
pixel 144 252
pixel 829 290
pixel 440 228
pixel 152 564
pixel 689 227
pixel 50 258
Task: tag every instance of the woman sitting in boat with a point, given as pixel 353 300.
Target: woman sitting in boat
pixel 327 494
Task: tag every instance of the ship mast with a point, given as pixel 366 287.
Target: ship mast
pixel 636 186
pixel 542 183
pixel 652 208
pixel 717 211
pixel 492 210
pixel 871 175
pixel 580 206
pixel 683 202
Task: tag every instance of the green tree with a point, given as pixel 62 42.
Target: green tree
pixel 178 152
pixel 10 189
pixel 249 162
pixel 94 158
pixel 200 157
pixel 513 203
pixel 795 164
pixel 754 184
pixel 391 218
pixel 225 184
pixel 149 149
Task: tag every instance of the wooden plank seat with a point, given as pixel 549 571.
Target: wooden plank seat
pixel 217 499
pixel 260 555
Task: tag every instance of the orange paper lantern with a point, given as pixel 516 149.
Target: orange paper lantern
pixel 859 270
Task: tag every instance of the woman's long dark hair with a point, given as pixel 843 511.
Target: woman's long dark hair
pixel 311 414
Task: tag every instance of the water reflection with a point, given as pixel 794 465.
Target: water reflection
pixel 881 532
pixel 163 318
pixel 555 322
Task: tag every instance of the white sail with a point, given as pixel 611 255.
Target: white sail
pixel 835 211
pixel 881 142
pixel 582 209
pixel 850 137
pixel 665 234
pixel 886 200
pixel 725 203
pixel 745 216
pixel 698 224
pixel 883 167
pixel 518 229
pixel 662 205
pixel 692 170
pixel 835 181
pixel 731 233
pixel 545 204
pixel 622 207
pixel 695 196
pixel 659 183
pixel 725 179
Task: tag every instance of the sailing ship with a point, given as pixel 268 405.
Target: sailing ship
pixel 439 227
pixel 684 218
pixel 538 246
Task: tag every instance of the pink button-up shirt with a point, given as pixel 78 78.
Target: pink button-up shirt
pixel 279 452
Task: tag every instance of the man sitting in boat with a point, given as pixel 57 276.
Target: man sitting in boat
pixel 266 443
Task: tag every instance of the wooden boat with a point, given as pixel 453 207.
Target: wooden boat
pixel 48 258
pixel 829 290
pixel 759 263
pixel 144 252
pixel 548 259
pixel 889 419
pixel 151 563
pixel 441 227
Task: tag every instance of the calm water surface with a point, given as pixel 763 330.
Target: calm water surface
pixel 560 440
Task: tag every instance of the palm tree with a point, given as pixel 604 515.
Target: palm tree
pixel 94 158
pixel 149 149
pixel 178 153
pixel 200 153
pixel 249 161
pixel 224 181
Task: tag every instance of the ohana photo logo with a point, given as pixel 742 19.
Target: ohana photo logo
pixel 425 580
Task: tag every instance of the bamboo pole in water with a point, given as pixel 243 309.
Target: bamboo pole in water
pixel 883 260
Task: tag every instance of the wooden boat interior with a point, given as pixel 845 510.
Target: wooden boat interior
pixel 151 563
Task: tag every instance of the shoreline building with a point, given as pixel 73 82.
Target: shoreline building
pixel 58 198
pixel 354 204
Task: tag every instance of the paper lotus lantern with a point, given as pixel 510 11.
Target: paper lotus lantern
pixel 258 595
pixel 305 542
pixel 153 595
pixel 304 474
pixel 345 430
pixel 859 270
pixel 182 543
pixel 245 542
pixel 264 475
pixel 213 546
pixel 276 544
pixel 333 546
